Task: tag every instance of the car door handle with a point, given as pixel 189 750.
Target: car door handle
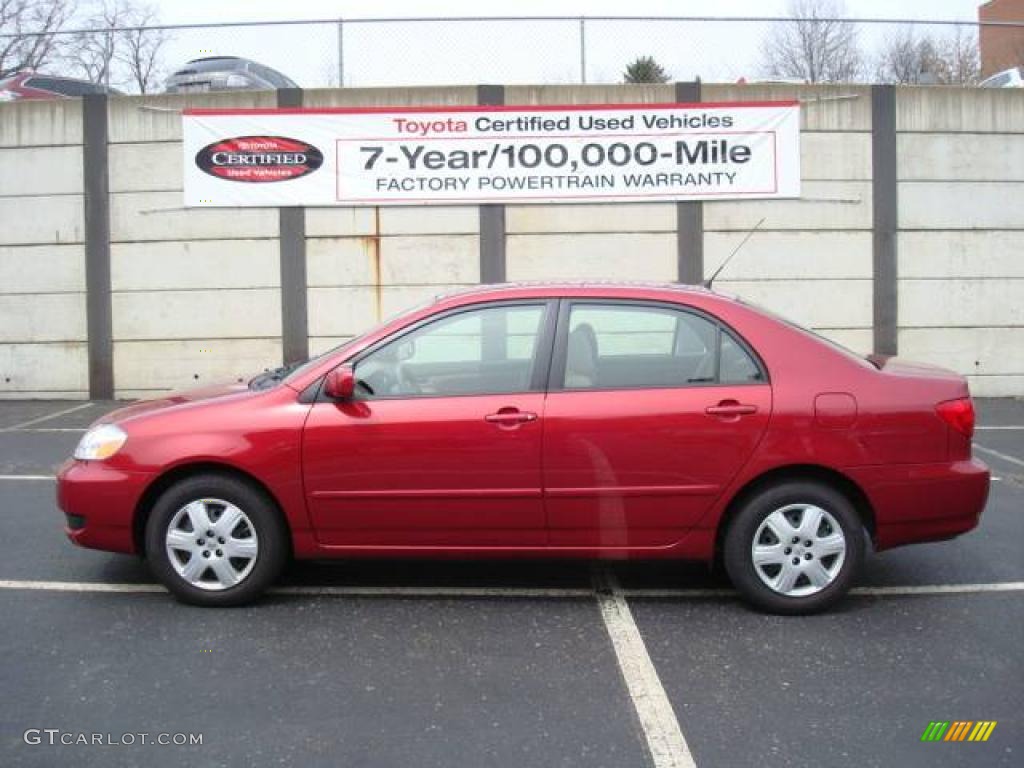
pixel 510 417
pixel 730 408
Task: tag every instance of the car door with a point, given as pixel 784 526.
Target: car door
pixel 652 410
pixel 441 446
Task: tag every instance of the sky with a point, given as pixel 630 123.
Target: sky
pixel 508 52
pixel 186 11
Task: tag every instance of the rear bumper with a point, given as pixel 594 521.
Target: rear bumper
pixel 924 502
pixel 99 504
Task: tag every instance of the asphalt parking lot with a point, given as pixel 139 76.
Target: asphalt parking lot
pixel 511 664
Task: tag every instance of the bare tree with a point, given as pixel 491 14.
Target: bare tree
pixel 909 57
pixel 817 45
pixel 27 32
pixel 141 48
pixel 90 53
pixel 960 57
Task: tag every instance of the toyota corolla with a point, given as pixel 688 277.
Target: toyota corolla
pixel 583 421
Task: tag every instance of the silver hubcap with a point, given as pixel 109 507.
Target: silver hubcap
pixel 212 544
pixel 798 550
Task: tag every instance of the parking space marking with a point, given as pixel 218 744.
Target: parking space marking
pixel 489 592
pixel 78 586
pixel 942 589
pixel 35 430
pixel 994 428
pixel 665 740
pixel 895 591
pixel 999 455
pixel 41 419
pixel 26 477
pixel 314 591
pixel 434 591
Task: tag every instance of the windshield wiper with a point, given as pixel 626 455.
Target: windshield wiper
pixel 270 377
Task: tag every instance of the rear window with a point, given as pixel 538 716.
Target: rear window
pixel 64 87
pixel 273 77
pixel 211 65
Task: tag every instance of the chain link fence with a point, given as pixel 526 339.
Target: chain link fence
pixel 435 51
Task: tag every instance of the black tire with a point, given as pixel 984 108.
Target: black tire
pixel 266 523
pixel 739 541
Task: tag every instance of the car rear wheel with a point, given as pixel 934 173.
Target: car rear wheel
pixel 215 540
pixel 794 547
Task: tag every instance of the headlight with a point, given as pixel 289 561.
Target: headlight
pixel 100 443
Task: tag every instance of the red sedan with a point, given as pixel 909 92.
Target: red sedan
pixel 543 421
pixel 33 85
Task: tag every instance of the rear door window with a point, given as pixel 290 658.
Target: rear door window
pixel 627 346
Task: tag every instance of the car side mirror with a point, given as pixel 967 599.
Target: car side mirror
pixel 340 383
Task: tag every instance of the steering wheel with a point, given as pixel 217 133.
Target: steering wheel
pixel 379 382
pixel 407 380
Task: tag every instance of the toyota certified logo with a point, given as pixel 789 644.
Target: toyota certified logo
pixel 259 158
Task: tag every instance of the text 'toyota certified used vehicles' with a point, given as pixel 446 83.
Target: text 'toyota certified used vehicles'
pixel 543 421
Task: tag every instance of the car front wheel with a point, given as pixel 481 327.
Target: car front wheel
pixel 215 540
pixel 795 547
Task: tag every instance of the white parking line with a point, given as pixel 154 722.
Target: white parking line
pixel 994 428
pixel 487 592
pixel 999 455
pixel 310 591
pixel 41 419
pixel 50 429
pixel 942 589
pixel 26 477
pixel 665 739
pixel 893 591
pixel 434 591
pixel 78 586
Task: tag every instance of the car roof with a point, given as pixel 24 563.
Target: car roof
pixel 608 288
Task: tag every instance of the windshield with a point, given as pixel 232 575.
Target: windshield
pixel 297 369
pixel 286 371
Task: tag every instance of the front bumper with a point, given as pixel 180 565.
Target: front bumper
pixel 924 502
pixel 99 503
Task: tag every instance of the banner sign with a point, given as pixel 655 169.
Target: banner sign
pixel 510 154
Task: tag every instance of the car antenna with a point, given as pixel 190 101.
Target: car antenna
pixel 707 283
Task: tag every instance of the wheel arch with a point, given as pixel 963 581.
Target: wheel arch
pixel 182 471
pixel 807 472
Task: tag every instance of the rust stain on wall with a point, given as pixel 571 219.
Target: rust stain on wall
pixel 372 246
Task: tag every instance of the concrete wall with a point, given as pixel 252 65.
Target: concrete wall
pixel 366 264
pixel 608 241
pixel 961 240
pixel 196 294
pixel 811 259
pixel 42 255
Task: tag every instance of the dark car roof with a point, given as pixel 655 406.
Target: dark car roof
pixel 45 82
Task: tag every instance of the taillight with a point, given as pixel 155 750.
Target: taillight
pixel 959 414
